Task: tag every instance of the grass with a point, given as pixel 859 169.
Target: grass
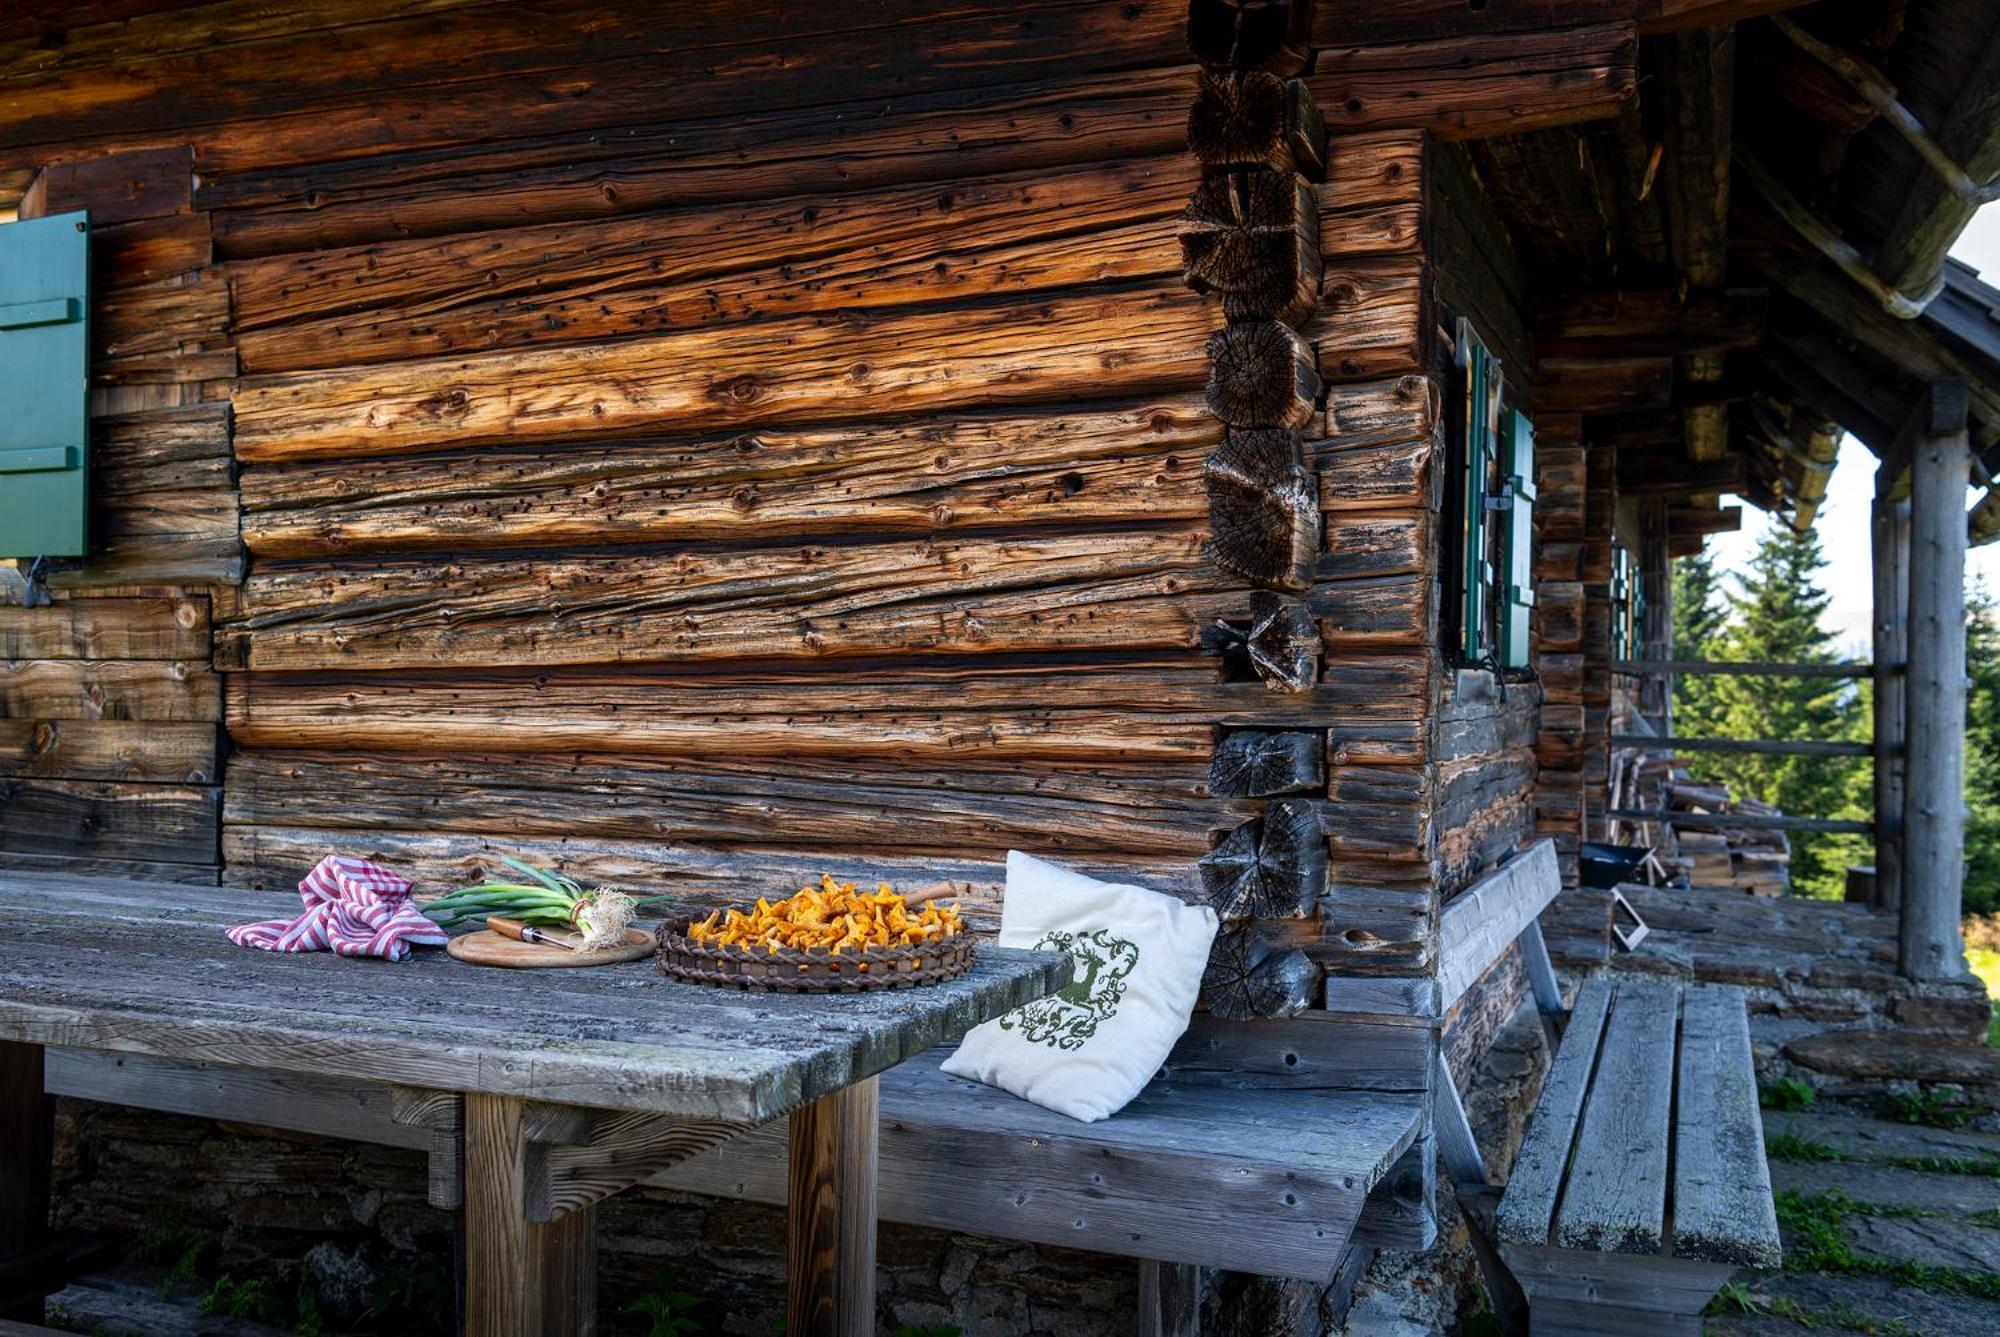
pixel 1737 1298
pixel 1792 1147
pixel 1985 963
pixel 1816 1242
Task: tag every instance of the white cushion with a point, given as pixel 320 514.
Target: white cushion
pixel 1088 1050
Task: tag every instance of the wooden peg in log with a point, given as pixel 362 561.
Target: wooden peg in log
pixel 1261 374
pixel 1270 867
pixel 1263 510
pixel 1280 646
pixel 1251 34
pixel 1257 120
pixel 1249 979
pixel 1253 239
pixel 1263 763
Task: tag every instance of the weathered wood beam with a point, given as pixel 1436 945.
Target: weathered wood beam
pixel 1335 25
pixel 1749 747
pixel 1271 35
pixel 1263 763
pixel 1686 520
pixel 1257 120
pixel 1741 821
pixel 1253 238
pixel 1264 517
pixel 1270 867
pixel 1250 978
pixel 27 1130
pixel 1261 374
pixel 1650 323
pixel 1889 628
pixel 1647 474
pixel 1912 254
pixel 1281 644
pixel 1603 385
pixel 1698 68
pixel 1929 945
pixel 1472 86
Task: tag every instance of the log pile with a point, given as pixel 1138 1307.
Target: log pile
pixel 1754 860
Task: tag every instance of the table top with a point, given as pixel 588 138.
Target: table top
pixel 138 967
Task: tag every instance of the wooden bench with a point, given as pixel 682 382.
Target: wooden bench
pixel 1642 1183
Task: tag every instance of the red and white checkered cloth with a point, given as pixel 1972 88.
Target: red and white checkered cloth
pixel 354 907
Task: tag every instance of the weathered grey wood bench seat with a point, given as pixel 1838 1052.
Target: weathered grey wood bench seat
pixel 1642 1184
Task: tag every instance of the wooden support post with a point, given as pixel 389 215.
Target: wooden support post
pixel 521 1279
pixel 1889 533
pixel 1169 1300
pixel 26 1138
pixel 831 1215
pixel 1934 788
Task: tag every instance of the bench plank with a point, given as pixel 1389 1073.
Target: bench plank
pixel 1482 921
pixel 1616 1197
pixel 1723 1211
pixel 1264 1182
pixel 1529 1207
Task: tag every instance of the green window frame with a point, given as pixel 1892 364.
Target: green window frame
pixel 45 385
pixel 1621 602
pixel 1479 412
pixel 1493 495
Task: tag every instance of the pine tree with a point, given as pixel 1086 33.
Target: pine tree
pixel 1982 752
pixel 1776 618
pixel 1700 614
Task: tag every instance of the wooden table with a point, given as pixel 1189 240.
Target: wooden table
pixel 561 1087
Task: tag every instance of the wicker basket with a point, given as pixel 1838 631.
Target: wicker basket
pixel 815 970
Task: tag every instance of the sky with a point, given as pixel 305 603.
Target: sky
pixel 1843 517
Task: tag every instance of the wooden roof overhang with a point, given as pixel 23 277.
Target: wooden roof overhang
pixel 1749 257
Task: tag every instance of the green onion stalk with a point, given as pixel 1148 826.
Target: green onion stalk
pixel 550 900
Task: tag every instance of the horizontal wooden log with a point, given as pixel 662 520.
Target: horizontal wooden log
pixel 763 154
pixel 1466 86
pixel 1651 323
pixel 106 820
pixel 1603 385
pixel 1773 747
pixel 697 879
pixel 1386 412
pixel 108 750
pixel 1264 35
pixel 1376 611
pixel 1261 763
pixel 1485 919
pixel 833 369
pixel 1160 809
pixel 1367 544
pixel 1090 464
pixel 1141 588
pixel 1278 644
pixel 1362 478
pixel 117 188
pixel 172 332
pixel 125 562
pixel 1093 712
pixel 1256 120
pixel 180 449
pixel 1270 867
pixel 1261 374
pixel 523 74
pixel 684 269
pixel 1373 199
pixel 163 690
pixel 1742 821
pixel 127 254
pixel 1253 238
pixel 1250 979
pixel 1660 668
pixel 106 629
pixel 1373 319
pixel 1263 509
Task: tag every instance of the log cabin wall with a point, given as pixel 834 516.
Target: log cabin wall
pixel 110 742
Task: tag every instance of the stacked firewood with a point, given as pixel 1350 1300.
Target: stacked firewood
pixel 1756 860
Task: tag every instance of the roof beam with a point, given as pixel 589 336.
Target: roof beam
pixel 1911 257
pixel 1657 323
pixel 1698 70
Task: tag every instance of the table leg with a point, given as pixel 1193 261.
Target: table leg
pixel 521 1279
pixel 831 1215
pixel 27 1134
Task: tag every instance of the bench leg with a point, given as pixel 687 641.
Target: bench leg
pixel 1169 1299
pixel 522 1279
pixel 1583 1293
pixel 27 1133
pixel 830 1224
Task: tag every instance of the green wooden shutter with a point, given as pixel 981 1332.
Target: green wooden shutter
pixel 1517 466
pixel 1482 397
pixel 44 386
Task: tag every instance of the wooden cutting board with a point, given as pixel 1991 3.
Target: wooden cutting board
pixel 487 948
